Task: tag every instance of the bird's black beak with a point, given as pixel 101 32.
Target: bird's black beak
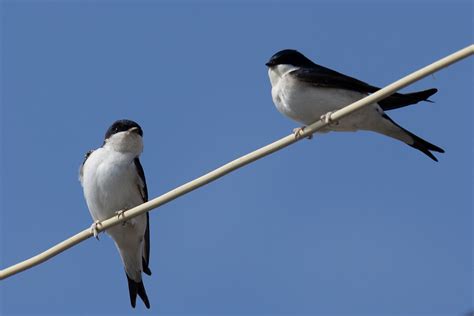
pixel 269 64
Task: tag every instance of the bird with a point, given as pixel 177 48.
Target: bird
pixel 307 92
pixel 113 181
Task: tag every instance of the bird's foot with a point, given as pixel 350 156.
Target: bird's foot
pixel 299 132
pixel 120 213
pixel 94 229
pixel 326 118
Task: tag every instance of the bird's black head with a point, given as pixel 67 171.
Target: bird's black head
pixel 289 57
pixel 123 126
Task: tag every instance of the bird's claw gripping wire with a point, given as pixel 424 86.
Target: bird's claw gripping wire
pixel 94 229
pixel 326 118
pixel 299 132
pixel 120 213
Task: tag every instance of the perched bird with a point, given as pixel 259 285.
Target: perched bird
pixel 113 181
pixel 306 92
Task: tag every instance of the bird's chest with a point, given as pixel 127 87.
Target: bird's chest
pixel 110 185
pixel 306 103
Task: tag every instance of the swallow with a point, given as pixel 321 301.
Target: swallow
pixel 307 92
pixel 113 181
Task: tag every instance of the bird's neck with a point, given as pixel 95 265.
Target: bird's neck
pixel 125 143
pixel 279 71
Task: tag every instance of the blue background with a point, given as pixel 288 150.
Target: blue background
pixel 345 224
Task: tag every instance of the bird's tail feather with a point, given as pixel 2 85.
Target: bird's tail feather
pixel 399 100
pixel 424 146
pixel 137 288
pixel 418 143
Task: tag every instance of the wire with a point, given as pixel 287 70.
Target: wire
pixel 239 162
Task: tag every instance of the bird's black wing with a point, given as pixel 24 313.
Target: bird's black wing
pixel 399 100
pixel 144 192
pixel 142 181
pixel 320 76
pixel 83 162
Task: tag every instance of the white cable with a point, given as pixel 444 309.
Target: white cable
pixel 239 162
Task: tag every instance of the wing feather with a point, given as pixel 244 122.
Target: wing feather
pixel 320 76
pixel 81 169
pixel 144 192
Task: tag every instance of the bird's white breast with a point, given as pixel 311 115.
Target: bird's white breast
pixel 306 103
pixel 110 183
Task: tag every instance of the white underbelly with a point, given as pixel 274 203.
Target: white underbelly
pixel 306 104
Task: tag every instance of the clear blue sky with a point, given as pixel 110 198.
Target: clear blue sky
pixel 345 224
